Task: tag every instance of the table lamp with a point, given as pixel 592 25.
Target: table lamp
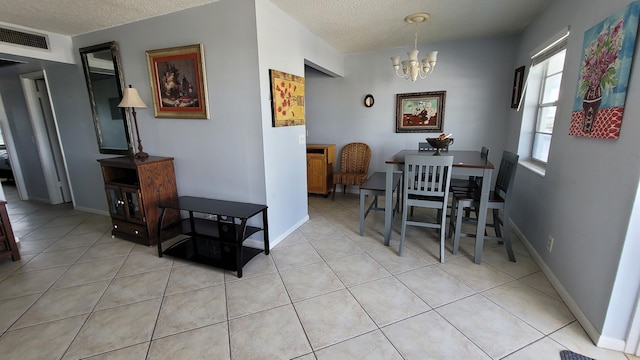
pixel 131 99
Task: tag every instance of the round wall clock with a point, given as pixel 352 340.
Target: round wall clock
pixel 368 100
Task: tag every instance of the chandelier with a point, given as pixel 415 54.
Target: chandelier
pixel 413 68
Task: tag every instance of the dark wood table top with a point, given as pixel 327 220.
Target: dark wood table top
pixel 461 158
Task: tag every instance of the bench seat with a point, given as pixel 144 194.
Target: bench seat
pixel 375 186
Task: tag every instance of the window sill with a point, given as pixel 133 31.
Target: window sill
pixel 534 167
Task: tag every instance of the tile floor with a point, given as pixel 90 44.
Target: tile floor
pixel 324 293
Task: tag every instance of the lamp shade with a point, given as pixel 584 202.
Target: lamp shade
pixel 131 99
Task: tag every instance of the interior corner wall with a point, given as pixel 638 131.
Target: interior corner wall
pixel 586 197
pixel 22 132
pixel 220 157
pixel 476 74
pixel 284 45
pixel 68 93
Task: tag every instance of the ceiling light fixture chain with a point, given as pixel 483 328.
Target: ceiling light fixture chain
pixel 413 68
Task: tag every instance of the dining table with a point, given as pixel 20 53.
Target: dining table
pixel 465 163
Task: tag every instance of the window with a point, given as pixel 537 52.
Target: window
pixel 541 95
pixel 550 71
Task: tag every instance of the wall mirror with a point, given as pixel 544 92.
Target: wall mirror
pixel 105 83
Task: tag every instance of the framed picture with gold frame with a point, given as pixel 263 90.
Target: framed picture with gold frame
pixel 178 82
pixel 287 99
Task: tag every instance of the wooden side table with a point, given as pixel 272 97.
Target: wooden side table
pixel 8 246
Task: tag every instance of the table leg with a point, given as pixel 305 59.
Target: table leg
pixel 160 231
pixel 482 214
pixel 265 230
pixel 388 203
pixel 239 241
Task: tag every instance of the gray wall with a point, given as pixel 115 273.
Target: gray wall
pixel 476 76
pixel 284 147
pixel 22 131
pixel 221 157
pixel 585 199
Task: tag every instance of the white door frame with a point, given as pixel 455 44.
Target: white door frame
pixel 633 337
pixel 12 152
pixel 42 139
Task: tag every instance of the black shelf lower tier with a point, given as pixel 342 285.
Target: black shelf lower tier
pixel 205 250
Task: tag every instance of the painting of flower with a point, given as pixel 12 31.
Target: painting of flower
pixel 604 75
pixel 287 96
pixel 600 60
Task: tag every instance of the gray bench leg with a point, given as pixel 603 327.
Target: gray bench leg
pixel 362 210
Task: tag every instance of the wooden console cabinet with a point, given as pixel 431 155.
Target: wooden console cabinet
pixel 8 247
pixel 320 158
pixel 135 188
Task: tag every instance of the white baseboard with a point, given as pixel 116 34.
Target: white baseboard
pixel 93 211
pixel 594 335
pixel 38 199
pixel 259 244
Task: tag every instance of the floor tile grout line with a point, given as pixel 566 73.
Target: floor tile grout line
pixel 155 324
pixel 463 334
pixel 93 310
pixel 432 308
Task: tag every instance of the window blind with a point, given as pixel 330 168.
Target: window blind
pixel 550 50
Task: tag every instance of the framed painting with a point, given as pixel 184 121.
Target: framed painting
pixel 607 54
pixel 420 112
pixel 516 91
pixel 287 99
pixel 178 82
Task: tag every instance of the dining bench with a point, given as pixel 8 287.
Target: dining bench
pixel 375 186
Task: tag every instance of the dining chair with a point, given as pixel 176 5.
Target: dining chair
pixel 471 182
pixel 354 166
pixel 425 146
pixel 498 200
pixel 426 185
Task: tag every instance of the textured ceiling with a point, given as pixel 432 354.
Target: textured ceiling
pixel 348 25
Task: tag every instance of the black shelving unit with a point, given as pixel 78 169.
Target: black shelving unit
pixel 219 241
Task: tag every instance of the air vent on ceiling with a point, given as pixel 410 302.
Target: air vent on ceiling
pixel 24 38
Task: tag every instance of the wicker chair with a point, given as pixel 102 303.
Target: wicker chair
pixel 354 166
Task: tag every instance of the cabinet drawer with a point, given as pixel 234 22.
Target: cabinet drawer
pixel 135 230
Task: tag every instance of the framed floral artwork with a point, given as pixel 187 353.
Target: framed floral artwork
pixel 178 82
pixel 287 99
pixel 420 112
pixel 604 75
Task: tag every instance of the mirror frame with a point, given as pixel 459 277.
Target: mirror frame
pixel 115 56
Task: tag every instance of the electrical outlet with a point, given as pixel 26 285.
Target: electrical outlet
pixel 550 241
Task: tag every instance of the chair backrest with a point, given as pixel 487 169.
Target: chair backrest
pixel 484 152
pixel 427 175
pixel 355 158
pixel 425 146
pixel 506 174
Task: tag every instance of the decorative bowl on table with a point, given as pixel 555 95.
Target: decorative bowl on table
pixel 439 144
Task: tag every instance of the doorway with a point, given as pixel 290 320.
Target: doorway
pixel 46 137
